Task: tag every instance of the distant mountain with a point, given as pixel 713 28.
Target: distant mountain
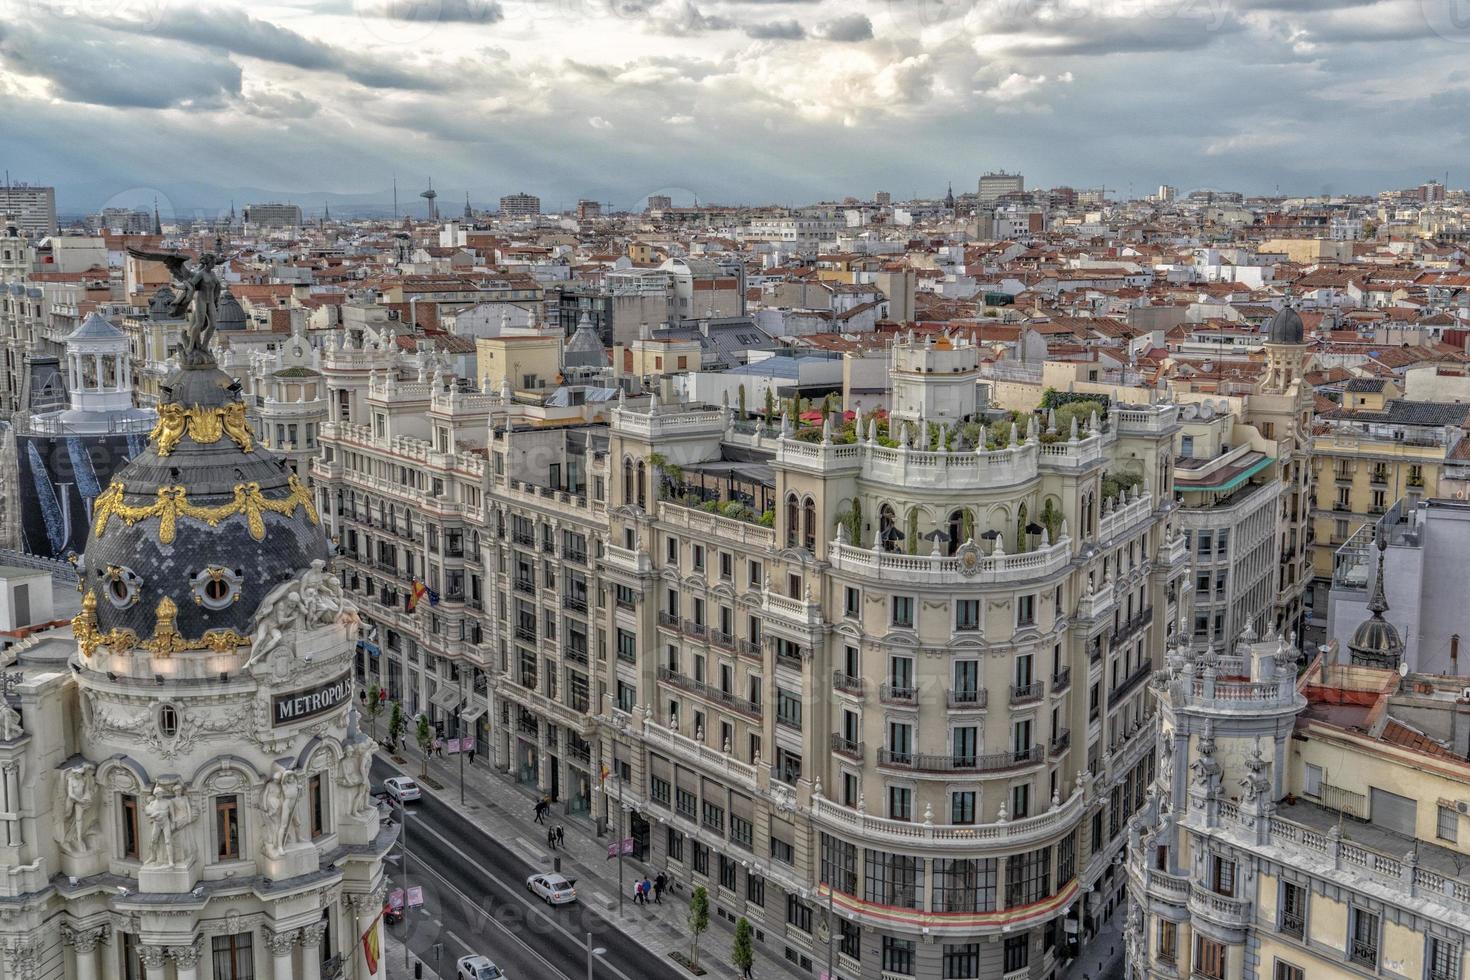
pixel 200 200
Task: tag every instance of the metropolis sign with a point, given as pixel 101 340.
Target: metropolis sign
pixel 300 705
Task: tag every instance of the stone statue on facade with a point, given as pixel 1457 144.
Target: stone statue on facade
pixel 278 802
pixel 1206 769
pixel 78 793
pixel 199 290
pixel 9 721
pixel 311 600
pixel 167 812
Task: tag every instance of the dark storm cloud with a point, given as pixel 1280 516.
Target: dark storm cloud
pixel 851 28
pixel 85 64
pixel 776 30
pixel 239 33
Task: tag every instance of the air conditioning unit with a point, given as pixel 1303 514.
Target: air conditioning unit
pixel 1463 806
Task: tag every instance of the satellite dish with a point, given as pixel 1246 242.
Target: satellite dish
pixel 1206 410
pixel 1403 668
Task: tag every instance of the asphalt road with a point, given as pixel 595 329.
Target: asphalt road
pixel 475 901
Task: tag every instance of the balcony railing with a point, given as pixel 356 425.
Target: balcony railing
pixel 527 633
pixel 847 682
pixel 1293 924
pixel 894 694
pixel 1061 680
pixel 965 698
pixel 1363 953
pixel 952 762
pixel 525 585
pixel 1021 693
pixel 847 748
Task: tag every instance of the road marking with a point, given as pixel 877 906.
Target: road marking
pixel 513 937
pixel 535 909
pixel 469 950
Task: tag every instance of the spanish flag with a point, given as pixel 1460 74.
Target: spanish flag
pixel 370 949
pixel 421 591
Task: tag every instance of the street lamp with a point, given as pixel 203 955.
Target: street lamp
pixel 591 952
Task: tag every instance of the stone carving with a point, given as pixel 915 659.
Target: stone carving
pixel 9 721
pixel 355 769
pixel 1206 769
pixel 199 292
pixel 281 943
pixel 278 802
pixel 1256 783
pixel 167 812
pixel 311 600
pixel 78 819
pixel 185 957
pixel 84 941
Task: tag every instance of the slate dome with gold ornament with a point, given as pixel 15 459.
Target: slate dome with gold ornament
pixel 195 530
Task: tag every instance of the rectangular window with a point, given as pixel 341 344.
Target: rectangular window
pixel 850 939
pixel 893 879
pixel 675 843
pixel 1017 953
pixel 1209 958
pixel 967 615
pixel 755 890
pixel 798 914
pixel 727 873
pixel 1028 877
pixel 903 611
pixel 1293 910
pixel 898 955
pixel 741 831
pixel 227 827
pixel 1222 876
pixel 962 807
pixel 1444 959
pixel 782 851
pixel 701 859
pixel 965 884
pixel 234 956
pixel 316 795
pixel 1447 825
pixel 130 839
pixel 962 962
pixel 900 803
pixel 1167 946
pixel 1363 939
pixel 1286 971
pixel 852 602
pixel 1026 610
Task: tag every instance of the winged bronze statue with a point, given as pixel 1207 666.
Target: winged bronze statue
pixel 198 292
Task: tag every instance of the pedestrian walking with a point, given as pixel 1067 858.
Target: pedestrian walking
pixel 540 811
pixel 472 756
pixel 637 893
pixel 561 836
pixel 647 890
pixel 659 884
pixel 551 838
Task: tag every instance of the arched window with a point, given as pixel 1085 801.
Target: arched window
pixel 809 524
pixel 887 528
pixel 642 485
pixel 1087 503
pixel 1021 536
pixel 793 519
pixel 627 481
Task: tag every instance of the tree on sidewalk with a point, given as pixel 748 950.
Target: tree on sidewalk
pixel 424 735
pixel 397 724
pixel 742 954
pixel 374 706
pixel 698 920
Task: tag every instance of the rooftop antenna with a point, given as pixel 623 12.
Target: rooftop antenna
pixel 429 195
pixel 395 199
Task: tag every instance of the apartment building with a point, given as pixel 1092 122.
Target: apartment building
pixel 520 205
pixel 1375 450
pixel 31 207
pixel 1229 488
pixel 883 700
pixel 1302 829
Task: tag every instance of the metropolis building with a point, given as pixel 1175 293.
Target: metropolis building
pixel 185 789
pixel 884 699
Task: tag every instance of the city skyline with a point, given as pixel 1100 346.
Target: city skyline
pixel 737 102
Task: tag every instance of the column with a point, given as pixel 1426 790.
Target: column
pixel 281 945
pixel 97 366
pixel 367 909
pixel 84 943
pixel 186 961
pixel 153 958
pixel 311 951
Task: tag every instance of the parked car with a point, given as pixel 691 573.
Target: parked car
pixel 554 888
pixel 477 967
pixel 402 789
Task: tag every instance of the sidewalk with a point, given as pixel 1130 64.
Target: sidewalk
pixel 505 810
pixel 1102 957
pixel 393 960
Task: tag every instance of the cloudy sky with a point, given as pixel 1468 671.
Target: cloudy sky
pixel 728 100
